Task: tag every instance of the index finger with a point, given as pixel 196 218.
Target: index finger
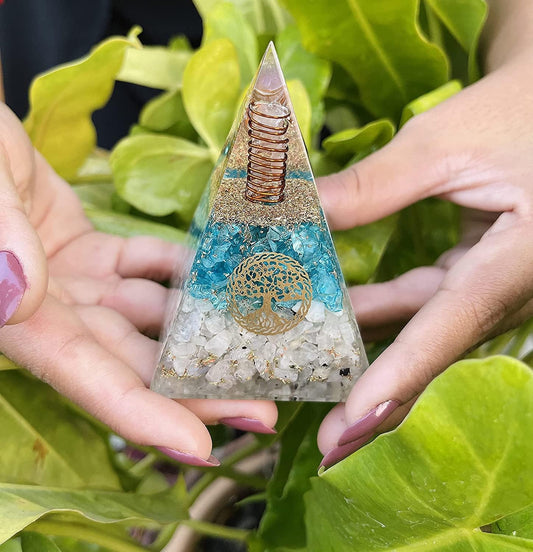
pixel 64 353
pixel 491 281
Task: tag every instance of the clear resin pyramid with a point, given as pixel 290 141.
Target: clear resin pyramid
pixel 263 310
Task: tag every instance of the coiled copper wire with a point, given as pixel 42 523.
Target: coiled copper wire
pixel 267 152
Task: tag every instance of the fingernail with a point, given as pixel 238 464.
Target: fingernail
pixel 191 459
pixel 12 285
pixel 341 452
pixel 248 424
pixel 368 422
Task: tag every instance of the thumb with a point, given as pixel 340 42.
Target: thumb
pixel 403 172
pixel 23 270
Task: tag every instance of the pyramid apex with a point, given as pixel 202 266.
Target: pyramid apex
pixel 269 76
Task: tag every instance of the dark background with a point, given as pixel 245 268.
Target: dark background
pixel 36 35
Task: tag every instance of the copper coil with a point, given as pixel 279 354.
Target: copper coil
pixel 267 152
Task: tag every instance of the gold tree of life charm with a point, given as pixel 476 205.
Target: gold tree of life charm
pixel 260 285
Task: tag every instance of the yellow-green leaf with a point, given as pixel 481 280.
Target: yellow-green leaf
pixel 63 100
pixel 463 458
pixel 44 441
pixel 464 19
pixel 302 108
pixel 211 87
pixel 429 100
pixel 160 174
pixel 352 144
pixel 225 21
pixel 155 66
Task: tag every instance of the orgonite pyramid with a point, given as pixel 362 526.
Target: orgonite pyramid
pixel 263 311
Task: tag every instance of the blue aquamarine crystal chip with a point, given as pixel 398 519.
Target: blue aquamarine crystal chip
pixel 224 246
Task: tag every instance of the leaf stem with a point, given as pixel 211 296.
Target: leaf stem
pixel 6 364
pixel 220 531
pixel 214 473
pixel 522 335
pixel 144 464
pixel 435 31
pixel 85 533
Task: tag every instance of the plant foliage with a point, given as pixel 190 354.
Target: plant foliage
pixel 357 70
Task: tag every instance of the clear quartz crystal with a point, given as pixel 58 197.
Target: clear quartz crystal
pixel 263 310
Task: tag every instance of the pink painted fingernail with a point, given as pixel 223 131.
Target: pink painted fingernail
pixel 190 459
pixel 248 424
pixel 12 285
pixel 368 422
pixel 341 452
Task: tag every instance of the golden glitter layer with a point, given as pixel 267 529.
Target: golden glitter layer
pixel 299 205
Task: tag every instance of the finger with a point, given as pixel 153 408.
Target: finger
pixel 492 281
pixel 333 429
pixel 148 257
pixel 397 300
pixel 97 255
pixel 120 337
pixel 460 162
pixel 402 172
pixel 212 411
pixel 142 302
pixel 23 269
pixel 64 354
pixel 116 334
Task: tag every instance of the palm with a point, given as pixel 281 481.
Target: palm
pixel 89 337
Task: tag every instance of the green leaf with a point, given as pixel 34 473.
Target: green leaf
pixel 69 544
pixel 96 196
pixel 378 43
pixel 313 72
pixel 282 526
pixel 302 108
pixel 323 164
pixel 517 525
pixel 95 168
pixel 6 364
pixel 12 545
pixel 360 249
pixel 21 505
pixel 424 231
pixel 45 442
pixel 287 412
pixel 63 100
pixel 180 43
pixel 211 90
pixel 429 100
pixel 225 21
pixel 464 19
pixel 353 144
pixel 155 66
pixel 266 17
pixel 160 174
pixel 463 458
pixel 128 226
pixel 166 113
pixel 33 542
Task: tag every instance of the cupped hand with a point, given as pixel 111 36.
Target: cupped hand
pixel 78 307
pixel 476 150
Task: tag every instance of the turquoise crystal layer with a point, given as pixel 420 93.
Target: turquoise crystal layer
pixel 223 247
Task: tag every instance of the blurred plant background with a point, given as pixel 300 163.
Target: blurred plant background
pixel 357 71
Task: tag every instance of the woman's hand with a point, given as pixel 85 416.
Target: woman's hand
pixel 475 149
pixel 77 304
